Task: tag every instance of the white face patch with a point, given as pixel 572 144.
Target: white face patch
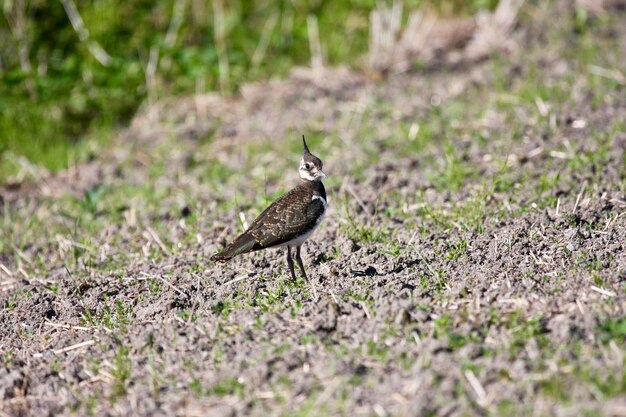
pixel 311 173
pixel 306 175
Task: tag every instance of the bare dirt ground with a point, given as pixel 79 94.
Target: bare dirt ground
pixel 472 262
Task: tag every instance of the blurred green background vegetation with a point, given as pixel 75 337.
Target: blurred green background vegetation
pixel 56 97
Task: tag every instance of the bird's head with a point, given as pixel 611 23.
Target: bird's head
pixel 310 165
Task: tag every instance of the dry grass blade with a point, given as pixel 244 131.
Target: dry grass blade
pixel 334 297
pixel 603 291
pixel 6 270
pixel 613 74
pixel 220 42
pixel 7 285
pixel 79 26
pixel 317 62
pixel 480 392
pixel 235 280
pixel 558 206
pixel 65 326
pixel 166 282
pixel 150 73
pixel 578 197
pixel 176 22
pixel 74 347
pixel 242 219
pixel 365 310
pixel 157 240
pixel 268 29
pixel 358 199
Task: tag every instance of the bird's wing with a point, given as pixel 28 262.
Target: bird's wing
pixel 286 218
pixel 291 215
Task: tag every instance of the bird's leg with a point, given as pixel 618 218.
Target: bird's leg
pixel 290 263
pixel 300 264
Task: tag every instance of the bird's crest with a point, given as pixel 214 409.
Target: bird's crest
pixel 306 148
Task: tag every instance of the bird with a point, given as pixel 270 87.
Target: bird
pixel 290 220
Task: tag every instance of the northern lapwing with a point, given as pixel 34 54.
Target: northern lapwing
pixel 288 221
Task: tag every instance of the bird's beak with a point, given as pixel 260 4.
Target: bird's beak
pixel 320 174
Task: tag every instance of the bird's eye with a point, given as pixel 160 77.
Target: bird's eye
pixel 307 166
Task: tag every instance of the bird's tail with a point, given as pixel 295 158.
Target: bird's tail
pixel 243 244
